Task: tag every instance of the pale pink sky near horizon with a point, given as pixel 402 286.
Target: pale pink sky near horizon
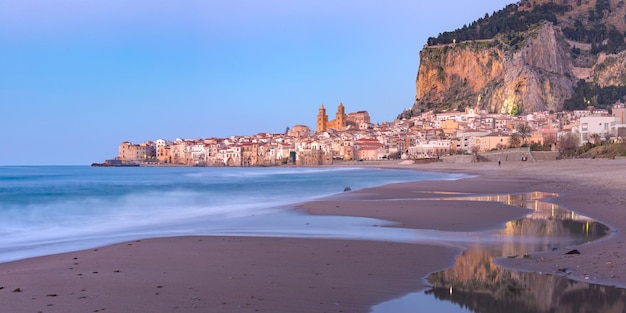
pixel 78 77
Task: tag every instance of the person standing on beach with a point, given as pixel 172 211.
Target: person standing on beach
pixel 498 163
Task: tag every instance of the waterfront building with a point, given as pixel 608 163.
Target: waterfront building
pixel 130 153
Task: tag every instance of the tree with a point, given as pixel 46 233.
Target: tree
pixel 514 140
pixel 549 142
pixel 514 110
pixel 568 144
pixel 595 138
pixel 524 131
pixel 475 151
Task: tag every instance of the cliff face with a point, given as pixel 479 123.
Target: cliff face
pixel 534 70
pixel 488 75
pixel 610 70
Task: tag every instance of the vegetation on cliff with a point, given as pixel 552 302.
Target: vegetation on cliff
pixel 590 94
pixel 517 18
pixel 507 20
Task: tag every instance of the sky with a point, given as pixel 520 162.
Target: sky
pixel 78 77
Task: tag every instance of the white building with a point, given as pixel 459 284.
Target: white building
pixel 605 126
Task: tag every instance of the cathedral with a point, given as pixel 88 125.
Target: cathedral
pixel 339 123
pixel 342 121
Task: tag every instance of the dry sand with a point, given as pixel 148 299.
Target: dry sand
pixel 220 274
pixel 229 274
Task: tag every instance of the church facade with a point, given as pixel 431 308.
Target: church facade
pixel 339 123
pixel 342 121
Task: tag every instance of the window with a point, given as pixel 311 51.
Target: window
pixel 584 127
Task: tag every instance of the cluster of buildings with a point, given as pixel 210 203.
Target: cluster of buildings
pixel 352 137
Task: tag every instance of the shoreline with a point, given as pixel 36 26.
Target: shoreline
pixel 326 274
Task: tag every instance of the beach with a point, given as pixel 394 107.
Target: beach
pixel 256 274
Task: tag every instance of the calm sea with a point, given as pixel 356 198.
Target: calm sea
pixel 51 209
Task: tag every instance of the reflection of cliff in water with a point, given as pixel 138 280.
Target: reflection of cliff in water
pixel 476 283
pixel 547 294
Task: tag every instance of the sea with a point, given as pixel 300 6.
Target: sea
pixel 53 209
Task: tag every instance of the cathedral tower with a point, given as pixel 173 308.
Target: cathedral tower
pixel 340 117
pixel 322 119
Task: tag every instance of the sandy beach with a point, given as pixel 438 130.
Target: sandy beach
pixel 251 274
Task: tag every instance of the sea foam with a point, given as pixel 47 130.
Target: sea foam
pixel 53 209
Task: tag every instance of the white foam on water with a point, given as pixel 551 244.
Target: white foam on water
pixel 47 210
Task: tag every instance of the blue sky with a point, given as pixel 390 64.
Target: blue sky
pixel 77 77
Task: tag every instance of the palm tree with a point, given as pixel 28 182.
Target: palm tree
pixel 515 140
pixel 524 131
pixel 595 138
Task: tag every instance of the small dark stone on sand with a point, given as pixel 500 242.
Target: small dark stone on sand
pixel 573 252
pixel 51 295
pixel 347 189
pixel 17 290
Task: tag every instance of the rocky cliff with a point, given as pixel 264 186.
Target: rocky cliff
pixel 536 69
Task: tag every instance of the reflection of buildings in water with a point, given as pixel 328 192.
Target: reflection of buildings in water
pixel 552 219
pixel 540 209
pixel 554 228
pixel 544 210
pixel 548 226
pixel 477 283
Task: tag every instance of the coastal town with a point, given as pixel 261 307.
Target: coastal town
pixel 352 137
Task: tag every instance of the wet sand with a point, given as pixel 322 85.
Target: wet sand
pixel 591 187
pixel 236 274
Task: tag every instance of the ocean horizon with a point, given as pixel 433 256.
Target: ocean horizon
pixel 53 209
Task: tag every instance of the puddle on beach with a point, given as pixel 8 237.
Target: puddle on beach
pixel 476 284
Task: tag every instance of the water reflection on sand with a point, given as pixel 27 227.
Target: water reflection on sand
pixel 477 284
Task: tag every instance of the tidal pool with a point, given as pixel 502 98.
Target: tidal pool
pixel 476 284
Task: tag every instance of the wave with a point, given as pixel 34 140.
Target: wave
pixel 63 207
pixel 264 172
